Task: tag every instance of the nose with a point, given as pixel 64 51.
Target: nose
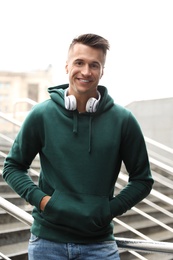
pixel 86 70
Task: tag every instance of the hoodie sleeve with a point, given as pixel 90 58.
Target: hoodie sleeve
pixel 135 158
pixel 23 151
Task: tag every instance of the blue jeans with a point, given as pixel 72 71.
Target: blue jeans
pixel 47 250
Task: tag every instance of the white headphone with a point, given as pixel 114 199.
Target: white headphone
pixel 71 104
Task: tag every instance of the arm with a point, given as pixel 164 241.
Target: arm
pixel 135 157
pixel 26 145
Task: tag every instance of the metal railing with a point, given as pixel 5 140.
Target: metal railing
pixel 124 243
pixel 146 245
pixel 132 245
pixel 9 119
pixel 2 256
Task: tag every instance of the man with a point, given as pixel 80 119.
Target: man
pixel 82 138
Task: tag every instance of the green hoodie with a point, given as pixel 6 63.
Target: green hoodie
pixel 81 156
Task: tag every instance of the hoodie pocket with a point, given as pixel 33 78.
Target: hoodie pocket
pixel 82 212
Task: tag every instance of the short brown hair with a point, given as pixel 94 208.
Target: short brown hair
pixel 92 40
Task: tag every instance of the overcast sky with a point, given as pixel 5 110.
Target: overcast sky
pixel 36 33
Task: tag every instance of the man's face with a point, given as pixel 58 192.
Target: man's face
pixel 85 68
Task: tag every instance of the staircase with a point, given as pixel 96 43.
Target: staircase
pixel 14 235
pixel 161 229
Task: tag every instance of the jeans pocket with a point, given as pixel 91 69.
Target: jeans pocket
pixel 33 238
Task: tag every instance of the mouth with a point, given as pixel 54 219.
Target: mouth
pixel 84 80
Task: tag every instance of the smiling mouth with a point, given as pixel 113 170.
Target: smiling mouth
pixel 84 80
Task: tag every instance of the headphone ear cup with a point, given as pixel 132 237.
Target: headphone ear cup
pixel 91 105
pixel 70 101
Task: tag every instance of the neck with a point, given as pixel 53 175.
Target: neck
pixel 81 104
pixel 82 99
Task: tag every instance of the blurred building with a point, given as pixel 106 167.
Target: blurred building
pixel 16 88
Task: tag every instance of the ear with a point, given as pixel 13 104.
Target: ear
pixel 66 68
pixel 102 74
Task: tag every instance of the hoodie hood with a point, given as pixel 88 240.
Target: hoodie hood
pixel 105 103
pixel 57 95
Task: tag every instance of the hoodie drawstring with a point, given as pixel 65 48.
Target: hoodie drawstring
pixel 75 129
pixel 75 123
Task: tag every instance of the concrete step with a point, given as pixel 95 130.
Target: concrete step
pixel 5 188
pixel 5 148
pixel 163 236
pixel 16 251
pixel 15 232
pixel 133 216
pixel 154 256
pixel 13 198
pixel 146 227
pixel 126 255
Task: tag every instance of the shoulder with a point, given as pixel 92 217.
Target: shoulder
pixel 124 118
pixel 40 108
pixel 121 112
pixel 38 112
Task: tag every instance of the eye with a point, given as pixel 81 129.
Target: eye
pixel 78 63
pixel 95 65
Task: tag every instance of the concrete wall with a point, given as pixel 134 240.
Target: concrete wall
pixel 155 118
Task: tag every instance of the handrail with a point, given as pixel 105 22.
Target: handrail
pixel 25 100
pixel 162 165
pixel 10 140
pixel 146 245
pixel 153 192
pixel 165 199
pixel 157 194
pixel 124 243
pixel 32 102
pixel 11 120
pixel 4 257
pixel 159 145
pixel 124 177
pixel 16 212
pixel 148 140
